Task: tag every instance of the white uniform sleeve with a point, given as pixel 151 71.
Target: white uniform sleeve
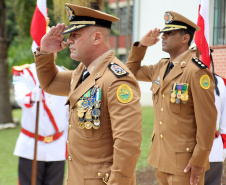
pixel 23 85
pixel 223 121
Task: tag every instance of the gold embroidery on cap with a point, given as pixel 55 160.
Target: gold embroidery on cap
pixel 74 27
pixel 175 26
pixel 83 22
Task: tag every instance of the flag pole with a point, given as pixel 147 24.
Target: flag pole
pixel 34 162
pixel 38 30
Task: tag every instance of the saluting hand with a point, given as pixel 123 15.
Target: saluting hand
pixel 195 173
pixel 150 38
pixel 52 42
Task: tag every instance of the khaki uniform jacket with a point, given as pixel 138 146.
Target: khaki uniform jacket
pixel 114 148
pixel 182 132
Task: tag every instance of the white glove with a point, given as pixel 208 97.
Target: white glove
pixel 36 94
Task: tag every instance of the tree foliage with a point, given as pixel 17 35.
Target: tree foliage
pixel 19 51
pixel 5 108
pixel 60 12
pixel 19 17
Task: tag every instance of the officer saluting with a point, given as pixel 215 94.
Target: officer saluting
pixel 104 134
pixel 183 97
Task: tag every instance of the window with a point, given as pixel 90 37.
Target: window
pixel 123 23
pixel 219 29
pixel 124 20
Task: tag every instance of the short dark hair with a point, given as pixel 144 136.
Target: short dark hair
pixel 183 32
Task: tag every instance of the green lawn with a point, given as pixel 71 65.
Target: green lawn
pixel 8 137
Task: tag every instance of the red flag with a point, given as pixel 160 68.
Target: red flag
pixel 38 24
pixel 202 36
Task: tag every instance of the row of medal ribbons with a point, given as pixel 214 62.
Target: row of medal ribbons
pixel 179 93
pixel 88 109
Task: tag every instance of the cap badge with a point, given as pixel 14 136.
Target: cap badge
pixel 70 12
pixel 168 18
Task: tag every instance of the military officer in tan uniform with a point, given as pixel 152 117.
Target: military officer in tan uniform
pixel 105 123
pixel 183 98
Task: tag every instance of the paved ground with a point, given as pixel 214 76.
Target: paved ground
pixel 147 176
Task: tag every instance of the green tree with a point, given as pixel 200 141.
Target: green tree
pixel 59 7
pixel 5 108
pixel 20 49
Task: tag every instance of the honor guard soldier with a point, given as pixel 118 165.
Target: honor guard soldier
pixel 218 151
pixel 104 134
pixel 183 98
pixel 52 131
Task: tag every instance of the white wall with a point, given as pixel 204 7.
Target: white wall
pixel 149 14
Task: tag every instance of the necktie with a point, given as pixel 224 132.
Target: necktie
pixel 170 66
pixel 85 74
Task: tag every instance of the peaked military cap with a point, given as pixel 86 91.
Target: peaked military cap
pixel 175 21
pixel 81 17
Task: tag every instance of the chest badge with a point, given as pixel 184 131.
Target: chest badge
pixel 158 80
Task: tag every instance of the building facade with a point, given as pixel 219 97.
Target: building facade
pixel 218 35
pixel 121 40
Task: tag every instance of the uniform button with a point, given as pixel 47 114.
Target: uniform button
pixel 163 96
pixel 72 110
pixel 99 174
pixel 160 123
pixel 187 149
pixel 162 109
pixel 69 158
pixel 67 142
pixel 69 126
pixel 161 136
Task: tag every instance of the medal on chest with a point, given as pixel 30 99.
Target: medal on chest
pixel 179 93
pixel 88 109
pixel 173 93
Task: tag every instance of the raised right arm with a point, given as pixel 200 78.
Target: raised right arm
pixel 51 80
pixel 142 73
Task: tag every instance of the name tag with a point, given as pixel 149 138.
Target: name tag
pixel 157 82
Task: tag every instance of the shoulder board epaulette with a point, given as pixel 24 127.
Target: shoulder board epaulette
pixel 18 70
pixel 199 63
pixel 117 70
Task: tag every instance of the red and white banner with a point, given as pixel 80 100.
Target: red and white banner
pixel 202 36
pixel 38 24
